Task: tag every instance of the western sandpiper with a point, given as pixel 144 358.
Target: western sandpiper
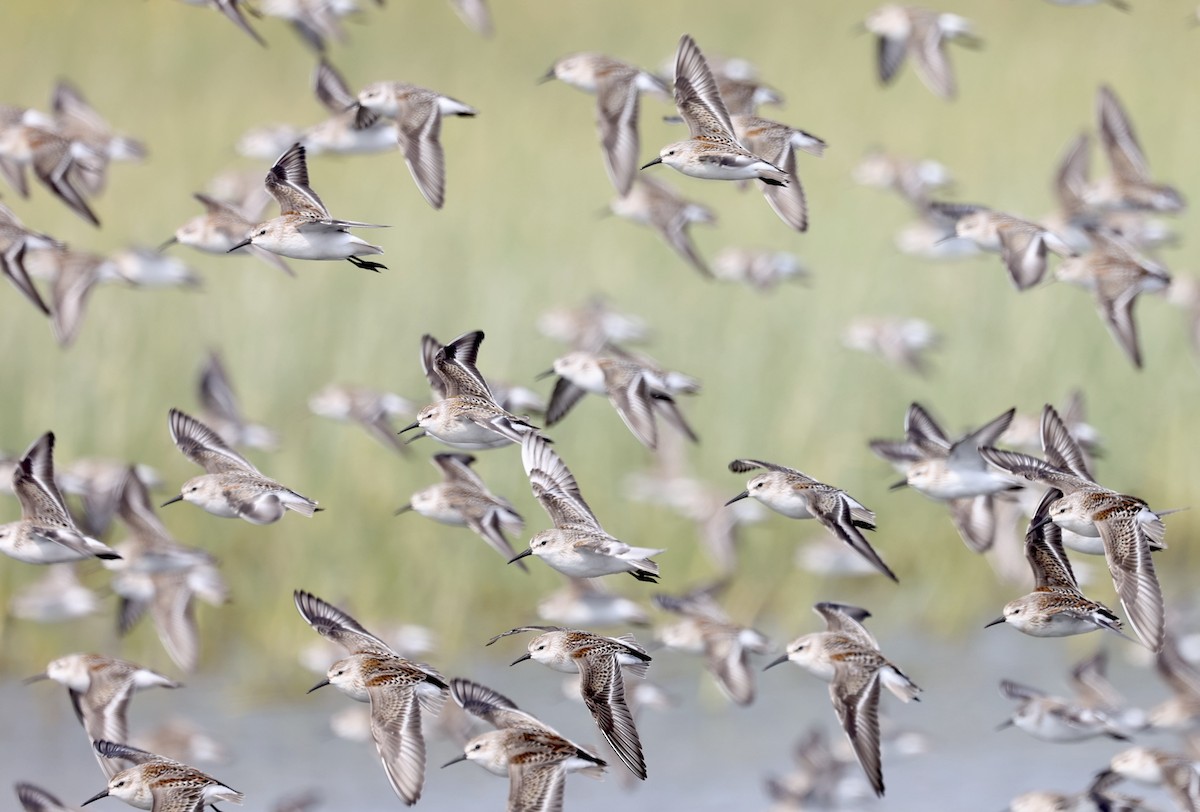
pixel 951 472
pixel 738 81
pixel 1053 719
pixel 818 778
pixel 759 268
pixel 618 88
pixel 901 342
pixel 418 115
pixel 1095 797
pixel 651 202
pixel 158 783
pixel 369 408
pixel 398 690
pixel 637 388
pixel 304 228
pixel 1056 607
pixel 474 14
pixel 76 274
pixel 99 482
pixel 901 30
pixel 1026 429
pixel 234 10
pixel 182 739
pixel 46 533
pixel 933 235
pixel 465 413
pixel 162 576
pixel 231 487
pixel 779 142
pixel 577 545
pixel 670 484
pixel 1094 690
pixel 316 22
pixel 100 689
pixel 798 496
pixel 911 178
pixel 1022 245
pixel 1116 273
pixel 1125 525
pixel 599 662
pixel 1129 186
pixel 1182 710
pixel 586 602
pixel 1179 776
pixel 592 325
pixel 847 657
pixel 61 164
pixel 15 240
pixel 55 597
pixel 462 499
pixel 1065 443
pixel 148 268
pixel 713 151
pixel 222 226
pixel 79 121
pixel 222 412
pixel 534 756
pixel 348 131
pixel 707 629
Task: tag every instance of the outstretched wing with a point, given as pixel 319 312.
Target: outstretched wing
pixel 288 184
pixel 203 446
pixel 334 624
pixel 696 94
pixel 33 482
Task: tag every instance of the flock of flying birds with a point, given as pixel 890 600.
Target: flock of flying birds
pixel 1014 468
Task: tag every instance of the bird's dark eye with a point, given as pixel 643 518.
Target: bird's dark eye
pixel 477 747
pixel 262 233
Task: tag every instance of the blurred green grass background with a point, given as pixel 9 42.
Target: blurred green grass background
pixel 520 233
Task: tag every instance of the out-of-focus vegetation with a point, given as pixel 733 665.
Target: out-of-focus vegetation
pixel 520 233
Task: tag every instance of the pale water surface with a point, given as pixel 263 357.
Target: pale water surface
pixel 701 755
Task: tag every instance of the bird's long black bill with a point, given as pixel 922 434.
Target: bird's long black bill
pixel 409 427
pixel 895 486
pixel 652 163
pixel 35 678
pixel 777 661
pixel 520 659
pixel 242 244
pixel 101 794
pixel 178 498
pixel 995 622
pixel 320 684
pixel 166 245
pixel 402 509
pixel 543 375
pixel 737 498
pixel 454 761
pixel 520 555
pixel 1040 522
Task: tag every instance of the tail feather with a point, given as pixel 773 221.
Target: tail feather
pixel 898 683
pixel 301 504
